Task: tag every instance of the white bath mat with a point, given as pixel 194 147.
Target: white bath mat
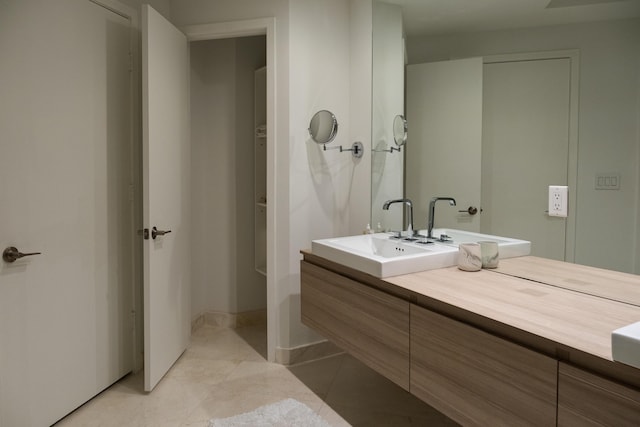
pixel 288 412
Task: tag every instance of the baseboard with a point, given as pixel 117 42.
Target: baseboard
pixel 307 353
pixel 284 356
pixel 229 320
pixel 197 322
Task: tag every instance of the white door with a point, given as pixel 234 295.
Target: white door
pixel 65 169
pixel 525 148
pixel 444 118
pixel 166 171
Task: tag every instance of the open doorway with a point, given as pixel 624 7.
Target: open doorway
pixel 167 88
pixel 242 31
pixel 228 175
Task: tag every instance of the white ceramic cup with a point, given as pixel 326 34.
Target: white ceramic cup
pixel 469 257
pixel 490 254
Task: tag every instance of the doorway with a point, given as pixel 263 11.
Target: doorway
pixel 240 29
pixel 529 141
pixel 483 131
pixel 167 116
pixel 228 170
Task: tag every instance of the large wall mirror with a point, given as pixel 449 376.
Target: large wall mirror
pixel 503 100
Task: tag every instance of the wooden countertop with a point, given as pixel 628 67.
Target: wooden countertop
pixel 514 295
pixel 622 287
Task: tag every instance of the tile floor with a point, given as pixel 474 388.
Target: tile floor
pixel 224 373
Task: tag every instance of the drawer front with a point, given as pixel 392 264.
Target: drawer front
pixel 586 399
pixel 476 378
pixel 371 325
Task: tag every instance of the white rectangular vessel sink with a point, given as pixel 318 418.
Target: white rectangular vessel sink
pixel 625 345
pixel 508 247
pixel 382 256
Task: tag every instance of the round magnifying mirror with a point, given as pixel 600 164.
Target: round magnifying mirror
pixel 323 127
pixel 400 130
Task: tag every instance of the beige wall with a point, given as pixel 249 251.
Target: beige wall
pixel 162 6
pixel 607 232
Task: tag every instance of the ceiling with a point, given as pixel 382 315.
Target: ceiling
pixel 434 17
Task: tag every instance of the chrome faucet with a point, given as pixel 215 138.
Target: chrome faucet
pixel 432 210
pixel 408 202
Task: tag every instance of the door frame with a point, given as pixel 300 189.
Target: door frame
pixel 573 55
pixel 244 28
pixel 135 175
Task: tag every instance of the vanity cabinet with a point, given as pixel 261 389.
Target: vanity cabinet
pixel 585 399
pixel 370 324
pixel 485 349
pixel 476 378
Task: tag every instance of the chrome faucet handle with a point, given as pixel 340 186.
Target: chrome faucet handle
pixel 432 210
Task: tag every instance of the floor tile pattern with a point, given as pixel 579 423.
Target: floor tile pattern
pixel 224 373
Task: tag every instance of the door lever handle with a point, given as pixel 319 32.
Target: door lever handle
pixel 472 210
pixel 11 254
pixel 155 232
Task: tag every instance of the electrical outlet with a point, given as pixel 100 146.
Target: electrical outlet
pixel 558 200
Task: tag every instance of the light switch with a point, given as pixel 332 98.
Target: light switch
pixel 607 181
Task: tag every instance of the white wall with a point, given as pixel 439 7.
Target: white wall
pixel 213 178
pixel 320 184
pixel 313 189
pixel 388 101
pixel 223 274
pixel 251 286
pixel 607 232
pixel 361 29
pixel 162 6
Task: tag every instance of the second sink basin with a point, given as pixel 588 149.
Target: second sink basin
pixel 508 247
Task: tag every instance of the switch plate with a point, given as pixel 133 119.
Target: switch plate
pixel 558 200
pixel 607 181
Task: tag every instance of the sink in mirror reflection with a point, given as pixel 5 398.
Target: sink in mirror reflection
pixel 507 247
pixel 381 255
pixel 414 44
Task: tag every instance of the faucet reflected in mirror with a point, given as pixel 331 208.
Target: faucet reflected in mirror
pixel 606 62
pixel 409 233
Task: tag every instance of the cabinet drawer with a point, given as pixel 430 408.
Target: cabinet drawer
pixel 476 378
pixel 586 399
pixel 371 325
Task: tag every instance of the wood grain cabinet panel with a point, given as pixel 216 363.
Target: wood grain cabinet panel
pixel 476 378
pixel 585 399
pixel 371 325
